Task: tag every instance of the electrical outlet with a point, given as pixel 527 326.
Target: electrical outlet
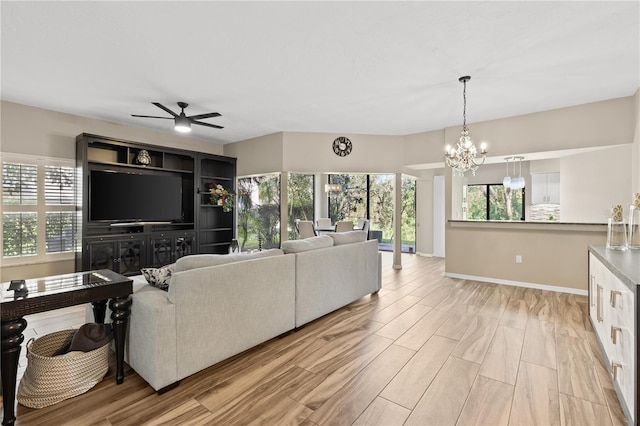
pixel 518 258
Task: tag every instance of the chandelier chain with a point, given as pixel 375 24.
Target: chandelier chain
pixel 464 105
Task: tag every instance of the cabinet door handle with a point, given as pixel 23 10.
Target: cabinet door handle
pixel 614 334
pixel 612 297
pixel 599 304
pixel 615 366
pixel 593 289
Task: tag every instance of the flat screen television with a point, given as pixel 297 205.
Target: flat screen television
pixel 129 197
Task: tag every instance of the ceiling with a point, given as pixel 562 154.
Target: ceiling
pixel 387 68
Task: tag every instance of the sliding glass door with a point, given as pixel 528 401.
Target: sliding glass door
pixel 371 196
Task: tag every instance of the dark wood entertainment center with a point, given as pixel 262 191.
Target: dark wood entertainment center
pixel 127 246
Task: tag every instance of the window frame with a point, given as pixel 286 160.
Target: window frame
pixel 41 208
pixel 488 202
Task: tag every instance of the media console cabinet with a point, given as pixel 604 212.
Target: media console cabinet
pixel 126 246
pixel 614 284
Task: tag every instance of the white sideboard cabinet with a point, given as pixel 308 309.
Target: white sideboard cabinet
pixel 614 277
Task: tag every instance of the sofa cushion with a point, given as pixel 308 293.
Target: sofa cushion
pixel 350 237
pixel 203 260
pixel 159 277
pixel 306 244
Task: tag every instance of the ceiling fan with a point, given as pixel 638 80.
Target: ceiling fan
pixel 182 121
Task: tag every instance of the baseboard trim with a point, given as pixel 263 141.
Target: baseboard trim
pixel 419 253
pixel 518 284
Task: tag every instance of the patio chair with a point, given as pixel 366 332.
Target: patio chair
pixel 344 226
pixel 306 229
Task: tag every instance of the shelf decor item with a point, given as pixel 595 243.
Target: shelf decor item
pixel 143 157
pixel 616 230
pixel 220 197
pixel 633 240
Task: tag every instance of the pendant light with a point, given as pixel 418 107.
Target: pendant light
pixel 463 156
pixel 506 182
pixel 518 183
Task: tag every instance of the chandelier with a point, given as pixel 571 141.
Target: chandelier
pixel 463 156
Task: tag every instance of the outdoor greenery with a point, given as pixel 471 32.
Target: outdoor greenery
pixel 259 206
pixel 350 204
pixel 503 204
pixel 259 212
pixel 20 228
pixel 300 203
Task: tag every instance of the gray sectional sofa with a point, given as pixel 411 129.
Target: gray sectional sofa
pixel 220 305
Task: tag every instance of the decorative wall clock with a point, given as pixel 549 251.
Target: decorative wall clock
pixel 342 146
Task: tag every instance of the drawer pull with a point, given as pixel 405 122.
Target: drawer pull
pixel 612 298
pixel 614 334
pixel 599 303
pixel 615 366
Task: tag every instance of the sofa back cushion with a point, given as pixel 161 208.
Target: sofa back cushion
pixel 350 237
pixel 306 244
pixel 203 260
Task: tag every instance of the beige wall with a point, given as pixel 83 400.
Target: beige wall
pixel 313 152
pixel 424 148
pixel 590 183
pixel 595 124
pixel 37 131
pixel 635 155
pixel 552 255
pixel 258 155
pixel 40 132
pixel 424 215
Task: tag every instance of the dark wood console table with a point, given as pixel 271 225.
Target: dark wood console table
pixel 46 294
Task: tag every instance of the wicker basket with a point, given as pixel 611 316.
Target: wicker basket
pixel 49 379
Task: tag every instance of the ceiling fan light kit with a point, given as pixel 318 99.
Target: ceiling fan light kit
pixel 183 122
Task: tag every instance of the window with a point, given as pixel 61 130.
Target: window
pixel 301 199
pixel 38 209
pixel 259 211
pixel 493 202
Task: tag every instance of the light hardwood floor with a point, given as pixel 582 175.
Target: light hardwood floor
pixel 427 350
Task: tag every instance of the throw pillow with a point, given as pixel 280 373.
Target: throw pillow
pixel 159 277
pixel 350 237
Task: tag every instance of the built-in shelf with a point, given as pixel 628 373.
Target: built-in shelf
pixel 204 228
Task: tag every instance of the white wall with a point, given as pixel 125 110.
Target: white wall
pixel 592 182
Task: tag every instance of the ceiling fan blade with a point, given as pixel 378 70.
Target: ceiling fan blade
pixel 201 116
pixel 151 116
pixel 159 105
pixel 207 124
